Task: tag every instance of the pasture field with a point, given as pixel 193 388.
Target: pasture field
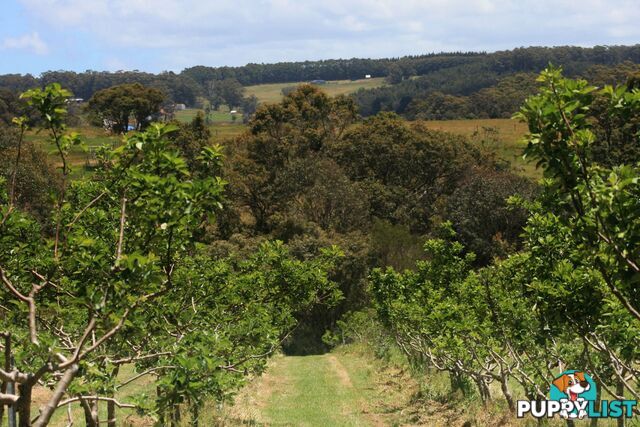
pixel 81 159
pixel 189 114
pixel 501 136
pixel 78 157
pixel 273 92
pixel 504 137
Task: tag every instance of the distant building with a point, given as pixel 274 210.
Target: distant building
pixel 318 82
pixel 367 76
pixel 233 111
pixel 181 107
pixel 75 100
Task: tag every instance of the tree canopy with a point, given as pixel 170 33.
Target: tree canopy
pixel 117 105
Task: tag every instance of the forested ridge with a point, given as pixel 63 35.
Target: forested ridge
pixel 457 73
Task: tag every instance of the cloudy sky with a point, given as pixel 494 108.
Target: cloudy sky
pixel 157 35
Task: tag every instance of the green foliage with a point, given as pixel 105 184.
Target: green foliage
pixel 37 181
pixel 10 106
pixel 309 174
pixel 115 106
pixel 123 279
pixel 231 314
pixel 568 299
pixel 599 203
pixel 227 91
pixel 486 223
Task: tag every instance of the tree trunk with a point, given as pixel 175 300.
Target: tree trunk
pixel 8 387
pixel 111 406
pixel 504 385
pixel 95 415
pixel 11 409
pixel 24 405
pixel 483 389
pixel 88 421
pixel 111 414
pixel 50 407
pixel 195 414
pixel 161 408
pixel 620 421
pixel 175 415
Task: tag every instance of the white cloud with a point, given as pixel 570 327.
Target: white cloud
pixel 187 32
pixel 30 42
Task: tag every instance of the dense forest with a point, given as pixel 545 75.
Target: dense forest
pixel 484 89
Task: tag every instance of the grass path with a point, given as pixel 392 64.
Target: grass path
pixel 332 389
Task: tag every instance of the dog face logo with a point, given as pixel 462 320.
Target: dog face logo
pixel 573 384
pixel 573 395
pixel 573 389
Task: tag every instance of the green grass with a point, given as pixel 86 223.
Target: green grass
pixel 188 115
pixel 273 92
pixel 223 131
pixel 80 160
pixel 338 389
pixel 314 395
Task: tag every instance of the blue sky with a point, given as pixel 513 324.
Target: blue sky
pixel 158 35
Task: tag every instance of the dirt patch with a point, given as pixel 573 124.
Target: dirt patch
pixel 40 396
pixel 341 372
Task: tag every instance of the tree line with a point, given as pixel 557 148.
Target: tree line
pixel 481 89
pixel 457 73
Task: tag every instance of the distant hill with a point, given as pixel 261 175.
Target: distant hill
pixel 456 73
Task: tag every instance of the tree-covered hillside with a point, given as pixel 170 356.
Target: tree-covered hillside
pixel 457 73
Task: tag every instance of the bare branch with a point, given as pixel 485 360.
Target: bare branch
pixel 31 302
pixel 142 374
pixel 83 210
pixel 13 290
pixel 90 398
pixel 121 235
pixel 8 399
pixel 85 336
pixel 138 358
